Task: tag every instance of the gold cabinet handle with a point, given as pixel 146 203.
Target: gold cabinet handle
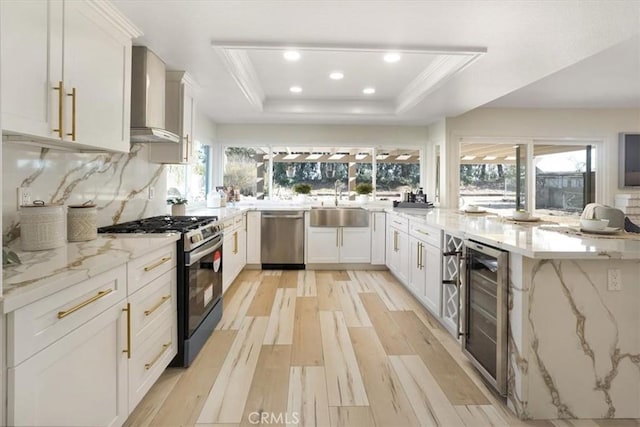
pixel 73 114
pixel 422 232
pixel 157 264
pixel 337 238
pixel 186 150
pixel 374 221
pixel 235 242
pixel 63 314
pixel 395 241
pixel 421 253
pixel 149 365
pixel 341 236
pixel 157 306
pixel 128 350
pixel 60 89
pixel 418 255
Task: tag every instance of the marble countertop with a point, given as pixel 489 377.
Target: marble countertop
pixel 45 272
pixel 528 239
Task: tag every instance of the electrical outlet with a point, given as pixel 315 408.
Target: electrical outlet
pixel 24 196
pixel 614 279
pixel 152 192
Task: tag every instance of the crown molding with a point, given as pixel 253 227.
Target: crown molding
pixel 109 11
pixel 437 73
pixel 449 61
pixel 241 68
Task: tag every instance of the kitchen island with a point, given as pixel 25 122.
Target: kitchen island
pixel 573 343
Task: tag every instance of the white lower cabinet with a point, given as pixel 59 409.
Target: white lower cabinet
pixel 398 253
pixel 333 245
pixel 86 355
pixel 378 238
pixel 425 260
pixel 80 380
pixel 253 239
pixel 234 249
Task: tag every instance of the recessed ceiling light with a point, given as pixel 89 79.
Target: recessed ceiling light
pixel 291 55
pixel 468 157
pixel 295 89
pixel 336 75
pixel 368 90
pixel 403 157
pixel 489 158
pixel 392 57
pixel 336 156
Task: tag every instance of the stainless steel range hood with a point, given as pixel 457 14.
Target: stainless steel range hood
pixel 148 98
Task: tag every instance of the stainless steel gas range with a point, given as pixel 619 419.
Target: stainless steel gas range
pixel 199 272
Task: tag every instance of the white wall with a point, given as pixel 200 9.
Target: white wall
pixel 323 135
pixel 587 124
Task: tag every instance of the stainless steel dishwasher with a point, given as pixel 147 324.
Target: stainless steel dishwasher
pixel 282 245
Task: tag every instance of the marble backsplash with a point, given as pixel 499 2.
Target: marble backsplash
pixel 118 183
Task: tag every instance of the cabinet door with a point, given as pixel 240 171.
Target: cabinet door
pixel 378 234
pixel 97 64
pixel 403 257
pixel 188 114
pixel 355 244
pixel 242 244
pixel 253 237
pixel 323 245
pixel 80 380
pixel 31 54
pixel 227 261
pixel 433 286
pixel 417 276
pixel 390 259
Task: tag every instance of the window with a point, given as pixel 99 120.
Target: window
pixel 191 181
pixel 244 170
pixel 322 168
pixel 397 170
pixel 494 175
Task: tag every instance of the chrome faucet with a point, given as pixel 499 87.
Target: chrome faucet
pixel 338 187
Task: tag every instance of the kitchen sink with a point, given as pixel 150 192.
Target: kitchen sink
pixel 339 217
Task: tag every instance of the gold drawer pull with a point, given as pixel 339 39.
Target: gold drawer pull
pixel 157 306
pixel 149 365
pixel 157 264
pixel 63 314
pixel 422 232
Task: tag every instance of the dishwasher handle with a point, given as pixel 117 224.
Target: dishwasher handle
pixel 282 216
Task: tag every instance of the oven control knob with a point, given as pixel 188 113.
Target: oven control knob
pixel 196 238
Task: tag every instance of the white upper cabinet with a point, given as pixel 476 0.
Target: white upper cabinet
pixel 66 73
pixel 179 118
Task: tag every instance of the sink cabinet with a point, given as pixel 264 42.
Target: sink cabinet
pixel 333 245
pixel 55 88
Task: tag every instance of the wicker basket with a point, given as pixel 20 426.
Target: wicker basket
pixel 82 223
pixel 41 226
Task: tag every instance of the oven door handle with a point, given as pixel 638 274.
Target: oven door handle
pixel 461 318
pixel 202 251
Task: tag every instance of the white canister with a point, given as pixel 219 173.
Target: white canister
pixel 41 226
pixel 82 223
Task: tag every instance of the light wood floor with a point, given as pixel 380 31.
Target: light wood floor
pixel 327 348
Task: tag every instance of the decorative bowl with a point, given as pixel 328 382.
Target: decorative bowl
pixel 521 215
pixel 594 224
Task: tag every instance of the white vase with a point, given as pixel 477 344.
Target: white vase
pixel 178 210
pixel 362 198
pixel 301 198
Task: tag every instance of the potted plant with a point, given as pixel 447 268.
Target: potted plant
pixel 177 206
pixel 363 189
pixel 302 190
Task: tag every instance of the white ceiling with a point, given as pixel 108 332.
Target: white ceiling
pixel 609 79
pixel 525 42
